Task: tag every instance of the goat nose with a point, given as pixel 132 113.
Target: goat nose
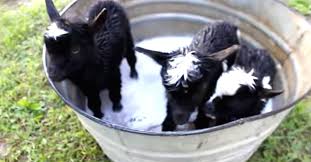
pixel 209 110
pixel 180 118
pixel 210 107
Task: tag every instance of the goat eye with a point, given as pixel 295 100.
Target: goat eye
pixel 217 99
pixel 66 22
pixel 75 50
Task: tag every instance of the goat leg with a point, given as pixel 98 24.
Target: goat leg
pixel 94 104
pixel 168 124
pixel 130 56
pixel 115 90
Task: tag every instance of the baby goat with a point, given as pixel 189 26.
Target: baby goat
pixel 189 73
pixel 89 54
pixel 244 89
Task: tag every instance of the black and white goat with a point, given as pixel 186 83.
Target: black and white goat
pixel 244 89
pixel 89 54
pixel 190 73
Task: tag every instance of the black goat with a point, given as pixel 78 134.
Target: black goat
pixel 244 89
pixel 89 54
pixel 190 73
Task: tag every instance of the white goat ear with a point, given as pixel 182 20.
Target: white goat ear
pixel 224 54
pixel 269 93
pixel 99 20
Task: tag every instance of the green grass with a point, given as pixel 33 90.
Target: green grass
pixel 34 122
pixel 292 140
pixel 303 6
pixel 35 125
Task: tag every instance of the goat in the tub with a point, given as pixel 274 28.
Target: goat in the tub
pixel 89 54
pixel 244 89
pixel 190 74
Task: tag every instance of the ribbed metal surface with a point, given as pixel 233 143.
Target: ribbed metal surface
pixel 265 23
pixel 235 144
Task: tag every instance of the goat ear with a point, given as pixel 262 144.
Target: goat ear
pixel 52 11
pixel 99 20
pixel 224 54
pixel 269 93
pixel 159 57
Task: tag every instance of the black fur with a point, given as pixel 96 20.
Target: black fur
pixel 258 59
pixel 246 102
pixel 185 96
pixel 215 37
pixel 91 53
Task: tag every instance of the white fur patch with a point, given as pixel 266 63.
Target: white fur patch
pixel 54 31
pixel 265 82
pixel 229 82
pixel 180 66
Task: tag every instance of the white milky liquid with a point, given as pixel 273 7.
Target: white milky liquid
pixel 268 107
pixel 143 100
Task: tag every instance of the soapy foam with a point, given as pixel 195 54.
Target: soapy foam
pixel 143 100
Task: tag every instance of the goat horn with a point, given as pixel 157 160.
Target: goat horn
pixel 103 11
pixel 224 54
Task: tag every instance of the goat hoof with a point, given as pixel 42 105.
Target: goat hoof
pixel 99 115
pixel 134 74
pixel 117 107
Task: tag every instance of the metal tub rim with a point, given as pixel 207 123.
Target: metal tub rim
pixel 178 133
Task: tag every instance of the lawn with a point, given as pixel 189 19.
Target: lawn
pixel 35 125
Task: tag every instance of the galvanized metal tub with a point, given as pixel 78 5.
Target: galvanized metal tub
pixel 268 23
